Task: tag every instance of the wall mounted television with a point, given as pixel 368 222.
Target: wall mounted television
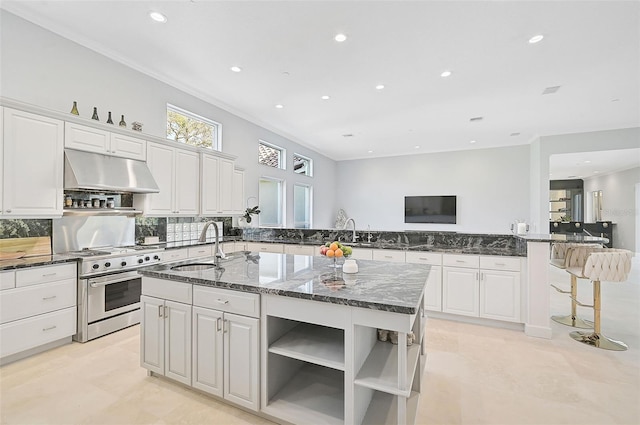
pixel 430 209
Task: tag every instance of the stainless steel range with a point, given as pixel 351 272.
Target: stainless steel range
pixel 109 288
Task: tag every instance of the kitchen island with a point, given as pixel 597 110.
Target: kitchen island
pixel 289 336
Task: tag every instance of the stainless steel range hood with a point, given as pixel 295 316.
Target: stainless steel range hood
pixel 93 171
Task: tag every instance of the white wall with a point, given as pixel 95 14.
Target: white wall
pixel 542 149
pixel 44 69
pixel 619 203
pixel 491 185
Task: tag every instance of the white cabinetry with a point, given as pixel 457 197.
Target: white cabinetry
pixel 171 255
pixel 433 291
pixel 277 248
pixel 301 249
pixel 200 251
pixel 222 187
pixel 32 165
pixel 91 139
pixel 226 354
pixel 165 341
pixel 482 286
pixel 177 173
pixel 391 255
pixel 38 307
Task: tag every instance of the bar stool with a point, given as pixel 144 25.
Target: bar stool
pixel 561 256
pixel 610 265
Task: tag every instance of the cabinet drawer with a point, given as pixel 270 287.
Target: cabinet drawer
pixel 265 247
pixel 453 260
pixel 389 255
pixel 21 335
pixel 200 251
pixel 432 258
pixel 227 300
pixel 362 254
pixel 174 255
pixel 83 138
pixel 38 275
pixel 7 280
pixel 167 289
pixel 20 303
pixel 300 249
pixel 500 263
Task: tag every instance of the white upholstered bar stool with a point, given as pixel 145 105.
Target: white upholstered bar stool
pixel 609 265
pixel 561 257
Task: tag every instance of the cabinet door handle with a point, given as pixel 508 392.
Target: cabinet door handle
pixel 226 326
pixel 388 256
pixel 7 211
pixel 500 264
pixel 49 298
pixel 49 328
pixel 460 261
pixel 222 301
pixel 477 276
pixel 160 311
pixel 49 274
pixel 423 258
pixel 166 311
pixel 218 324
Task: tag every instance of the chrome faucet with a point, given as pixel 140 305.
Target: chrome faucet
pixel 353 236
pixel 218 254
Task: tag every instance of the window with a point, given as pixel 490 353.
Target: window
pixel 191 129
pixel 301 206
pixel 302 165
pixel 270 155
pixel 271 202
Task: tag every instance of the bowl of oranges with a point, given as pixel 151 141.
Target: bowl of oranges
pixel 335 250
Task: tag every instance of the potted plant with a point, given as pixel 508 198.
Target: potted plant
pixel 249 212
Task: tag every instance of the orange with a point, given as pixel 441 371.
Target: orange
pixel 333 246
pixel 339 252
pixel 330 253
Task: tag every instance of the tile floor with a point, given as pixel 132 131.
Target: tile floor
pixel 474 375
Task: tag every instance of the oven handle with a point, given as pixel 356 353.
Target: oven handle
pixel 108 280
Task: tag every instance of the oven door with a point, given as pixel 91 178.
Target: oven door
pixel 111 295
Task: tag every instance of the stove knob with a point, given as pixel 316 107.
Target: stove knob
pixel 107 264
pixel 124 263
pixel 155 257
pixel 140 261
pixel 95 267
pixel 146 258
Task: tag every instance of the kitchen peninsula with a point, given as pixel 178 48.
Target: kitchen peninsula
pixel 290 336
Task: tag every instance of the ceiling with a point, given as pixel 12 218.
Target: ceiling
pixel 289 57
pixel 585 165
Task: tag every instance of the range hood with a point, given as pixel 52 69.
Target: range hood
pixel 93 171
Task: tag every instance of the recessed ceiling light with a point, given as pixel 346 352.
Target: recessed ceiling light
pixel 236 69
pixel 596 172
pixel 380 87
pixel 536 39
pixel 325 97
pixel 587 162
pixel 340 38
pixel 445 74
pixel 369 151
pixel 417 147
pixel 158 17
pixel 279 106
pixel 472 141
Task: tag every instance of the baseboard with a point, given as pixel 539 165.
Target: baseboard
pixel 537 331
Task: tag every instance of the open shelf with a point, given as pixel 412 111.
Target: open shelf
pixel 314 395
pixel 383 409
pixel 320 345
pixel 380 370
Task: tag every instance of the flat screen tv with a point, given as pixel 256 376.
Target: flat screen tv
pixel 430 209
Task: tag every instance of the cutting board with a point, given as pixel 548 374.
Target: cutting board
pixel 24 247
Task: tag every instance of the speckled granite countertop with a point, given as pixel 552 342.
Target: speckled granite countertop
pixel 41 260
pixel 395 287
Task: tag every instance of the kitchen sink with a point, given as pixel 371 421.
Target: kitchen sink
pixel 193 267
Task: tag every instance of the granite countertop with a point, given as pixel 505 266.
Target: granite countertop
pixel 395 287
pixel 563 237
pixel 40 260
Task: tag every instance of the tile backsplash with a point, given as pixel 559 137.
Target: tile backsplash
pixel 176 231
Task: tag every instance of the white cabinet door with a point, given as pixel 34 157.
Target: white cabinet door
pixel 460 291
pixel 208 351
pixel 128 147
pixel 226 186
pixel 500 295
pixel 152 336
pixel 237 197
pixel 177 348
pixel 32 165
pixel 241 360
pixel 160 162
pixel 85 138
pixel 187 177
pixel 433 291
pixel 209 185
